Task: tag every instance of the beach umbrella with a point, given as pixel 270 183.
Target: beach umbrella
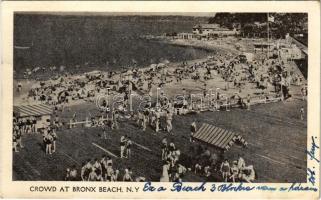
pixel 134 61
pixel 34 86
pixel 129 72
pixel 153 67
pixel 161 65
pixel 166 61
pixel 36 69
pixel 62 68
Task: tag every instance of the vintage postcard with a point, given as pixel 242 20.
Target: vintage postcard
pixel 188 100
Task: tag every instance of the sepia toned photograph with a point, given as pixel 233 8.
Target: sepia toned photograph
pixel 160 97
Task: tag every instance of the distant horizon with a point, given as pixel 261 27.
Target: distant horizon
pixel 183 14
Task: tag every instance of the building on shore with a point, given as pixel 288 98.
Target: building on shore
pixel 286 51
pixel 185 36
pixel 213 30
pixel 264 46
pixel 291 52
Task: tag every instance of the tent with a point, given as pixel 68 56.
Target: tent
pixel 217 137
pixel 249 56
pixel 32 110
pixel 161 65
pixel 41 112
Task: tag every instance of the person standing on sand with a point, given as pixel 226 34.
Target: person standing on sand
pixel 193 131
pixel 48 141
pixel 144 123
pixel 56 122
pixel 74 120
pixel 225 170
pixel 18 136
pixel 157 120
pixel 85 170
pixel 302 113
pixel 19 86
pixel 139 119
pixel 14 138
pixel 165 176
pixel 128 146
pixel 240 162
pixel 109 172
pixel 67 176
pixel 127 177
pixel 164 148
pixel 115 119
pixel 73 173
pixel 152 117
pixel 169 118
pixel 97 167
pixel 235 171
pixel 304 93
pixel 122 146
pixel 248 102
pixel 104 128
pixel 115 175
pixel 33 125
pixel 103 165
pixel 54 138
pixel 92 175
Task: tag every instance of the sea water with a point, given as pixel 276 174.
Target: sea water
pixel 86 43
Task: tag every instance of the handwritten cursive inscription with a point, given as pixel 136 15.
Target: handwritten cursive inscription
pixel 311 175
pixel 313 149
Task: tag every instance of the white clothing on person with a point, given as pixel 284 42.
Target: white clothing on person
pixel 165 176
pixel 240 163
pixel 251 176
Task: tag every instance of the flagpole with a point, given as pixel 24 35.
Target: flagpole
pixel 268 38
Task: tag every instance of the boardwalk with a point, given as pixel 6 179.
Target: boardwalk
pixel 276 136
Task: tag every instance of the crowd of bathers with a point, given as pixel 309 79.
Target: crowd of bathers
pixel 100 170
pixel 67 89
pixel 172 170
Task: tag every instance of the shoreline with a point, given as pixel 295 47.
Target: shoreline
pixel 197 44
pixel 208 49
pixel 43 76
pixel 212 49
